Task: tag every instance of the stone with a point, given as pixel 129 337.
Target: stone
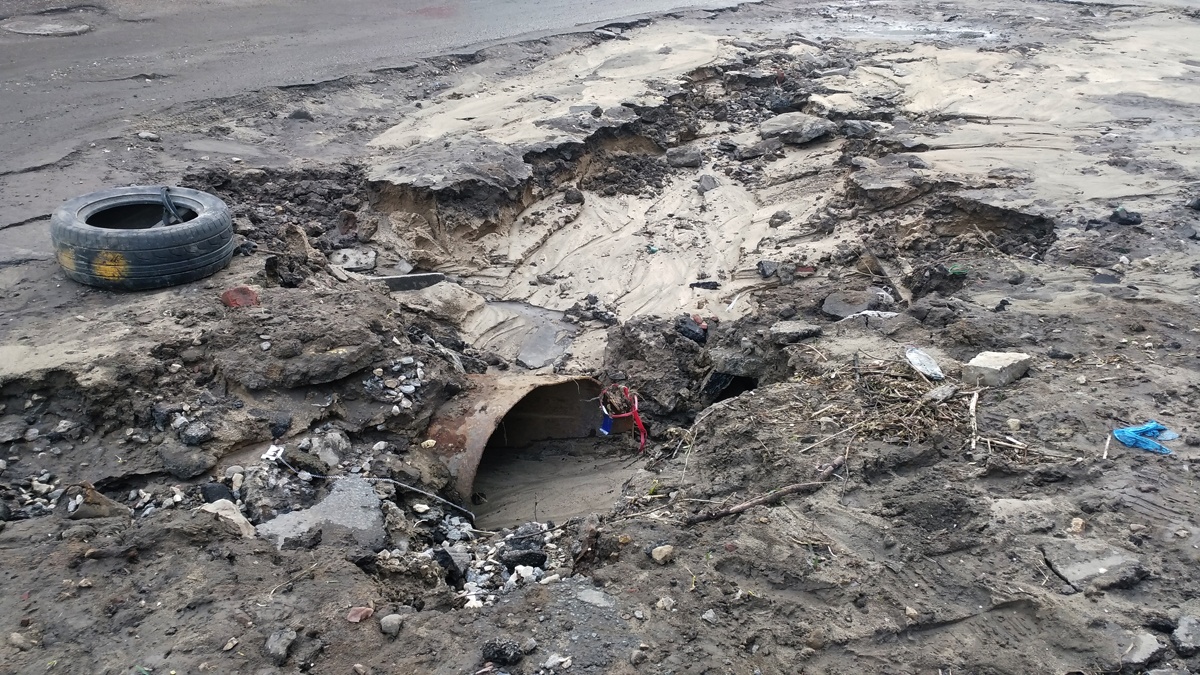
pixel 303 461
pixel 529 646
pixel 706 183
pixel 79 502
pixel 1194 203
pixel 1145 650
pixel 300 114
pixel 502 651
pixel 796 128
pixel 557 661
pixel 663 554
pixel 279 644
pixel 996 369
pixel 841 304
pixel 1187 636
pixel 240 296
pixel 211 492
pixel 5 512
pixel 573 196
pixel 229 511
pixel 857 128
pixel 710 616
pixel 1123 217
pixel 595 597
pixel 779 218
pixel 20 642
pixel 12 429
pixel 531 558
pixel 791 332
pixel 882 187
pixel 688 328
pixel 391 624
pixel 351 507
pixel 1080 561
pixel 685 157
pixel 767 268
pixel 354 259
pixel 31 434
pixel 769 146
pixel 149 136
pixel 184 462
pixel 331 446
pixel 196 433
pixel 637 657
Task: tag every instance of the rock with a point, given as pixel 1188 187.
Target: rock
pixel 1194 203
pixel 665 603
pixel 240 296
pixel 706 183
pixel 791 332
pixel 1187 636
pixel 996 369
pixel 557 661
pixel 331 446
pixel 226 509
pixel 1145 649
pixel 1123 217
pixel 857 128
pixel 303 461
pixel 354 259
pixel 779 218
pixel 183 462
pixel 196 433
pixel 841 304
pixel 12 429
pixel 663 554
pixel 572 196
pixel 637 657
pixel 502 651
pixel 595 597
pixel 688 328
pixel 531 558
pixel 391 624
pixel 767 268
pixel 1079 561
pixel 709 616
pixel 456 560
pixel 882 187
pixel 5 512
pixel 211 492
pixel 359 614
pixel 351 507
pixel 20 642
pixel 300 114
pixel 685 157
pixel 279 644
pixel 529 646
pixel 149 136
pixel 796 128
pixel 31 434
pixel 769 146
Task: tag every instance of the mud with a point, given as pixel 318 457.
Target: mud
pixel 605 205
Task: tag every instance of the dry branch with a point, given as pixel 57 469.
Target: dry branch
pixel 770 497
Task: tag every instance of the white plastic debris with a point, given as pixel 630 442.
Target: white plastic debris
pixel 923 363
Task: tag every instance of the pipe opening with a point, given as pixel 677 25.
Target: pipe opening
pixel 546 461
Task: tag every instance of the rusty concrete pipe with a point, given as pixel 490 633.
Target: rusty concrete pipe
pixel 520 409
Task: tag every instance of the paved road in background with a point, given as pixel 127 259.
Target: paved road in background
pixel 57 92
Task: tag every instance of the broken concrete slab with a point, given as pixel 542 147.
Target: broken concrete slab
pixel 996 369
pixel 354 259
pixel 1082 560
pixel 790 332
pixel 229 511
pixel 350 507
pixel 1187 636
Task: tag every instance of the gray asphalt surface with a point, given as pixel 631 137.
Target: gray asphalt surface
pixel 58 92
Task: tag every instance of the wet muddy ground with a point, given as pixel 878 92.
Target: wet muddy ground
pixel 746 217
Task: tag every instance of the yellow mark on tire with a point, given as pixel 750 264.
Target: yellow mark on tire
pixel 110 265
pixel 66 259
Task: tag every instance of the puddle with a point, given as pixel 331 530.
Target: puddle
pixel 552 480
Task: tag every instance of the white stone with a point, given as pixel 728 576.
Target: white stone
pixel 996 369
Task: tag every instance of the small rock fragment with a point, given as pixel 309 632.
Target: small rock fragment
pixel 706 183
pixel 1123 217
pixel 573 196
pixel 502 651
pixel 149 136
pixel 240 296
pixel 663 554
pixel 779 218
pixel 710 616
pixel 1187 636
pixel 357 614
pixel 279 644
pixel 196 433
pixel 391 624
pixel 791 332
pixel 685 157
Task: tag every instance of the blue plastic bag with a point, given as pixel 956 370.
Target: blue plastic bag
pixel 1143 437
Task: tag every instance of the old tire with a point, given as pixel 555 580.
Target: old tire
pixel 105 238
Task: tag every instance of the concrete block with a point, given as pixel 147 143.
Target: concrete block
pixel 996 369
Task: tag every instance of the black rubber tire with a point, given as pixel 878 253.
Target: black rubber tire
pixel 146 258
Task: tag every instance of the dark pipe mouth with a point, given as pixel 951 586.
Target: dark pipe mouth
pixel 137 216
